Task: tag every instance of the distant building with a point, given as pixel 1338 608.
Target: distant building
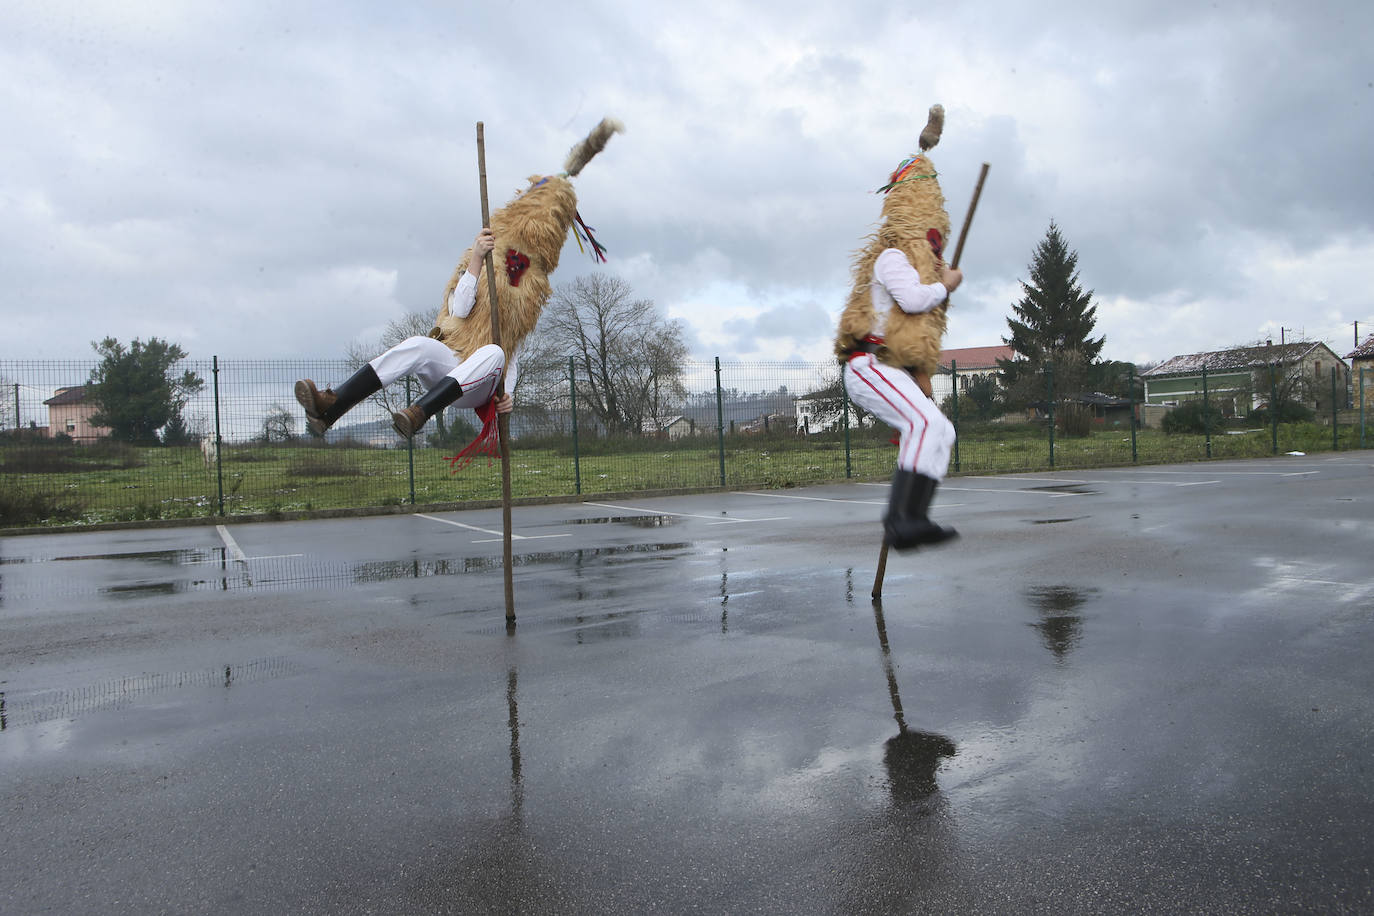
pixel 1236 378
pixel 1362 359
pixel 970 364
pixel 69 413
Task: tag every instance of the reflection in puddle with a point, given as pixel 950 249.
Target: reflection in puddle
pixel 635 521
pixel 911 757
pixel 1064 488
pixel 114 694
pixel 1060 624
pixel 213 571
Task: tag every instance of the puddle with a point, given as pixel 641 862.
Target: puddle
pixel 634 521
pixel 209 571
pixel 1061 623
pixel 1056 521
pixel 45 706
pixel 1064 488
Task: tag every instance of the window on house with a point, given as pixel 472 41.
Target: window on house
pixel 71 425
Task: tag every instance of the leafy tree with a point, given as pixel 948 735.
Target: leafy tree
pixel 628 358
pixel 136 391
pixel 981 400
pixel 1052 327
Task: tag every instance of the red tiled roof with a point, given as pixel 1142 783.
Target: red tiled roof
pixel 977 357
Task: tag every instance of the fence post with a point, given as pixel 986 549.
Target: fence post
pixel 1362 407
pixel 954 387
pixel 1049 387
pixel 1335 442
pixel 720 422
pixel 572 402
pixel 1206 412
pixel 16 403
pixel 844 413
pixel 1274 407
pixel 1130 395
pixel 219 444
pixel 410 449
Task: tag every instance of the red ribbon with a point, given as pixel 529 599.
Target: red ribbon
pixel 488 441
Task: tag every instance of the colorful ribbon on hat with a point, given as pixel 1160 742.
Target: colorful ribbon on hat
pixel 906 171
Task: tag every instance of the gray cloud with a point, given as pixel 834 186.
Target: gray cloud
pixel 256 180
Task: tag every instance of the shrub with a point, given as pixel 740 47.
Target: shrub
pixel 324 464
pixel 1289 412
pixel 21 509
pixel 1192 417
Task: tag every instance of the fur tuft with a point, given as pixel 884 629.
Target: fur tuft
pixel 596 141
pixel 935 126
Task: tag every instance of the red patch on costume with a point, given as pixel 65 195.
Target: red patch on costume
pixel 937 243
pixel 516 265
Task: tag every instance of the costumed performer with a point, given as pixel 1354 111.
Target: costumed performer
pixel 889 338
pixel 457 363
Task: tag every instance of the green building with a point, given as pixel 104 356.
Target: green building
pixel 1241 379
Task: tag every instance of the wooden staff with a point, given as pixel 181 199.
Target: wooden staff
pixel 502 420
pixel 958 252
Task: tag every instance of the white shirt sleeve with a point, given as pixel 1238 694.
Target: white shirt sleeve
pixel 463 297
pixel 903 283
pixel 512 370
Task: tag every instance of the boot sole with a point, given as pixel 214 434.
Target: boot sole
pixel 305 395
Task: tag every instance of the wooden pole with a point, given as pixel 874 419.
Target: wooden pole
pixel 502 420
pixel 958 253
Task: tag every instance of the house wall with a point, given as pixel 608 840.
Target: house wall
pixel 75 420
pixel 1368 366
pixel 1222 387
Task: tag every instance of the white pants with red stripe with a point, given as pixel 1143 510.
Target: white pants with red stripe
pixel 429 361
pixel 893 396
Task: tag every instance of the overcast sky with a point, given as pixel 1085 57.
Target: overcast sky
pixel 268 180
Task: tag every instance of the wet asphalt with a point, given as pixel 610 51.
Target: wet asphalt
pixel 1127 690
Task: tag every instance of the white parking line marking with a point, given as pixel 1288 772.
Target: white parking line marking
pixel 444 521
pixel 710 518
pixel 817 499
pixel 523 537
pixel 230 545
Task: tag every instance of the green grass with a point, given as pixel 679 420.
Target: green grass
pixel 52 485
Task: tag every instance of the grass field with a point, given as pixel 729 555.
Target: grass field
pixel 47 485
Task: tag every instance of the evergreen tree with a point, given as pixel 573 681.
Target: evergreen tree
pixel 1052 326
pixel 135 392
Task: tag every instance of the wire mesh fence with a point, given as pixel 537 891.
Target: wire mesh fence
pixel 239 445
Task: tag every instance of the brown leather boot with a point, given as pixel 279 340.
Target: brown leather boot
pixel 324 408
pixel 315 402
pixel 409 421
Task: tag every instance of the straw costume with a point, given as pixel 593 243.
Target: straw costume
pixel 457 363
pixel 890 332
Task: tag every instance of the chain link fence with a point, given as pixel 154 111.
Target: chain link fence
pixel 240 448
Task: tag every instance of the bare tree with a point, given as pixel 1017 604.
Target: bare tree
pixel 393 398
pixel 279 425
pixel 628 359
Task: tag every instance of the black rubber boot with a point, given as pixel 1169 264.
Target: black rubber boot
pixel 896 521
pixel 911 527
pixel 409 421
pixel 324 408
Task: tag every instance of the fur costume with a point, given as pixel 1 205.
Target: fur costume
pixel 530 232
pixel 914 206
